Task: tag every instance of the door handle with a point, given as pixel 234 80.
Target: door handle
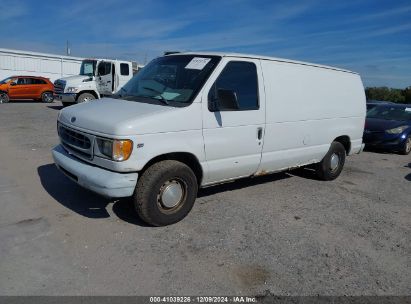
pixel 259 133
pixel 108 81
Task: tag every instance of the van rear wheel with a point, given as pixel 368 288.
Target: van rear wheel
pixel 165 193
pixel 333 162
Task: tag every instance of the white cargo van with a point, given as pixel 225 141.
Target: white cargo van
pixel 98 78
pixel 192 120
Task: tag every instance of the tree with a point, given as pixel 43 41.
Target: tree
pixel 389 94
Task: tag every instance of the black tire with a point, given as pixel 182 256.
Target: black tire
pixel 66 104
pixel 324 169
pixel 4 97
pixel 47 97
pixel 84 97
pixel 407 146
pixel 152 186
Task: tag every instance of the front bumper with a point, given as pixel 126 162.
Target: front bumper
pixel 384 141
pixel 96 179
pixel 66 97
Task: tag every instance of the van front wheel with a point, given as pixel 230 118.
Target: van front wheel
pixel 165 193
pixel 333 162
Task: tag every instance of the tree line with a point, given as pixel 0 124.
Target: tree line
pixel 389 94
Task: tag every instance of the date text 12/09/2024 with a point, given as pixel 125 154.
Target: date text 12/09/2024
pixel 203 299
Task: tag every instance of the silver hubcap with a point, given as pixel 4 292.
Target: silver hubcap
pixel 408 146
pixel 171 194
pixel 48 97
pixel 86 99
pixel 335 160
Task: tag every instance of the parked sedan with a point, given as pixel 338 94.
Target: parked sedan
pixel 388 127
pixel 26 87
pixel 373 103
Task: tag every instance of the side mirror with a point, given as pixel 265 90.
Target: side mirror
pixel 213 105
pixel 12 83
pixel 227 100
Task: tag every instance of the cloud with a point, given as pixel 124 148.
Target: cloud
pixel 148 28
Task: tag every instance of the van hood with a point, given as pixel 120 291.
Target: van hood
pixel 116 117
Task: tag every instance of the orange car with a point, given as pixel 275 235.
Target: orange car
pixel 26 87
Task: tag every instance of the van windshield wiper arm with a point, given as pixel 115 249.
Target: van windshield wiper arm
pixel 161 97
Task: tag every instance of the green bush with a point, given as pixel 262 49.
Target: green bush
pixel 389 94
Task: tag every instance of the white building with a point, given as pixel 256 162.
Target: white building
pixel 17 62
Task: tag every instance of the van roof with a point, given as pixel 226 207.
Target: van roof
pixel 240 55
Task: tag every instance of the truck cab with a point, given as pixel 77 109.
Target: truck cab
pixel 97 78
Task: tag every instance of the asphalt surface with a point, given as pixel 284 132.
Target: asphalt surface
pixel 284 234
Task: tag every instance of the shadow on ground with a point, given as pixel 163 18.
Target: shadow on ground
pixel 55 107
pixel 252 181
pixel 91 205
pixel 82 201
pixel 378 151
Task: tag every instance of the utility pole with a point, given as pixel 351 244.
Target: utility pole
pixel 68 51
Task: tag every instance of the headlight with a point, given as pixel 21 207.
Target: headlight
pixel 114 149
pixel 397 130
pixel 72 90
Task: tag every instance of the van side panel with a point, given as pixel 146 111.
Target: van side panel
pixel 307 108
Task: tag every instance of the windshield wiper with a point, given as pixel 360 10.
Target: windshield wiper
pixel 165 101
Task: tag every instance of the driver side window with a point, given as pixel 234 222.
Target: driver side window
pixel 238 80
pixel 104 68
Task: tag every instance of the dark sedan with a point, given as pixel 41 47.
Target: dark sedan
pixel 388 127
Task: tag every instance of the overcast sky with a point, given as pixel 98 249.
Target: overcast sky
pixel 371 37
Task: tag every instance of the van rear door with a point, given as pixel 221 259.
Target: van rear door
pixel 233 104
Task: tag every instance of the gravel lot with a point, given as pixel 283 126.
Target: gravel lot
pixel 283 234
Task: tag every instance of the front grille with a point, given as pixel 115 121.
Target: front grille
pixel 59 86
pixel 77 142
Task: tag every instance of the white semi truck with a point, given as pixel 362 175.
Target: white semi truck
pixel 98 78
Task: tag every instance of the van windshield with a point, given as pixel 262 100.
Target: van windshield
pixel 88 67
pixel 171 80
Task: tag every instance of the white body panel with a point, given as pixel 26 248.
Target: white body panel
pixel 302 109
pixel 307 108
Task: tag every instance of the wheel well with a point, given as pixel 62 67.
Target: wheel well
pixel 90 92
pixel 345 141
pixel 186 158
